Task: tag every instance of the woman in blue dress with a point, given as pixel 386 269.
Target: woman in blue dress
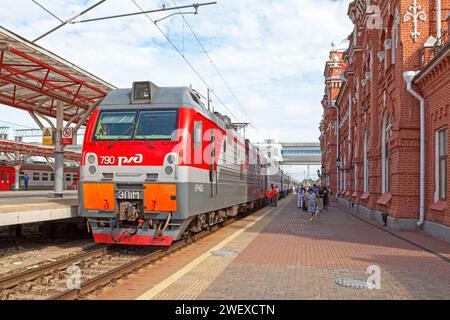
pixel 312 204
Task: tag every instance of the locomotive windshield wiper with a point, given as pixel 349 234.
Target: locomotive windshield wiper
pixel 127 133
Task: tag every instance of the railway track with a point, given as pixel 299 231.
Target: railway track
pixel 98 268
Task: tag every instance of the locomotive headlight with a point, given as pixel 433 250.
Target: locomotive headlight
pixel 171 159
pixel 168 170
pixel 91 159
pixel 92 170
pixel 170 164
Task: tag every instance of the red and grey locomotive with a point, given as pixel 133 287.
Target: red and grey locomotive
pixel 158 165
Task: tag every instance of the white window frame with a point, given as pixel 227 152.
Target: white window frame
pixel 385 179
pixel 437 194
pixel 366 162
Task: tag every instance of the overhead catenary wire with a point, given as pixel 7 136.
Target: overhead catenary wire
pixel 195 5
pixel 72 20
pixel 48 11
pixel 63 23
pixel 16 124
pixel 215 67
pixel 186 60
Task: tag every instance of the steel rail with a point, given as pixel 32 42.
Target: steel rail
pixel 115 274
pixel 112 275
pixel 26 276
pixel 124 270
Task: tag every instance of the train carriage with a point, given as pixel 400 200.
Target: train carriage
pixel 42 177
pixel 157 165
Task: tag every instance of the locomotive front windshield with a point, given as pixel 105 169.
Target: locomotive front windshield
pixel 156 125
pixel 115 125
pixel 137 125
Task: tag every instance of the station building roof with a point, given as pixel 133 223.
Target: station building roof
pixel 34 79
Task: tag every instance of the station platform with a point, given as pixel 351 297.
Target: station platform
pixel 22 207
pixel 277 253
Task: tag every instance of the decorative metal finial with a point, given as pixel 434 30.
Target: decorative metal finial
pixel 333 45
pixel 415 13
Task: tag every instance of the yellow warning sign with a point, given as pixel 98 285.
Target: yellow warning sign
pixel 47 137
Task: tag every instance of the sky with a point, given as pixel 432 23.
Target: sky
pixel 270 52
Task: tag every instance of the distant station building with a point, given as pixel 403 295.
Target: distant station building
pixel 384 133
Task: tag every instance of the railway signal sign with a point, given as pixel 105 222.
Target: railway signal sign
pixel 47 137
pixel 67 136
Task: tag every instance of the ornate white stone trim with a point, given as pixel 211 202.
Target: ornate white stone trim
pixel 415 13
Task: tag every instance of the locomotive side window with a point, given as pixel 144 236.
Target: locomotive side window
pixel 198 134
pixel 68 177
pixel 157 125
pixel 36 176
pixel 115 125
pixel 44 176
pixel 52 177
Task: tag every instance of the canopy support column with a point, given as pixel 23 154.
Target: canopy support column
pixel 59 152
pixel 17 171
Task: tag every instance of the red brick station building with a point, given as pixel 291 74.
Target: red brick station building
pixel 384 133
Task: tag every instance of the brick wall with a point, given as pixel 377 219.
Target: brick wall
pixel 376 91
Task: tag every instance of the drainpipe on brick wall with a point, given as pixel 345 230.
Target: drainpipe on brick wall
pixel 438 20
pixel 409 76
pixel 334 106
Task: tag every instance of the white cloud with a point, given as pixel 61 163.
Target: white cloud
pixel 272 53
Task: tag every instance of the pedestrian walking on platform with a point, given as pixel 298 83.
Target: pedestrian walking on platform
pixel 300 197
pixel 26 180
pixel 312 204
pixel 320 198
pixel 326 198
pixel 275 197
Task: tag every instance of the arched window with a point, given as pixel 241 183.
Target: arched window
pixel 386 154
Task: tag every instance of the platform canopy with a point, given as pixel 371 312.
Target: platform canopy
pixel 36 80
pixel 32 150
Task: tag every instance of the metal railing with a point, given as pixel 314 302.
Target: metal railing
pixel 441 43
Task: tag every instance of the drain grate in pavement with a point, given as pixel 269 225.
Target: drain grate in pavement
pixel 225 253
pixel 352 283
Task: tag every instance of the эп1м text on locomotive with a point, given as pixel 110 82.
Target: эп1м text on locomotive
pixel 157 165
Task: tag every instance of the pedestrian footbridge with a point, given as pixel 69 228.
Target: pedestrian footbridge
pixel 301 154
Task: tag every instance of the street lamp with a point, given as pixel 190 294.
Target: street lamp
pixel 338 167
pixel 338 162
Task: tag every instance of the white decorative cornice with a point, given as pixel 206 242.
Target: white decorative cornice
pixel 415 13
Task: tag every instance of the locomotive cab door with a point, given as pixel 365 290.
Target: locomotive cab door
pixel 7 182
pixel 212 173
pixel 2 179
